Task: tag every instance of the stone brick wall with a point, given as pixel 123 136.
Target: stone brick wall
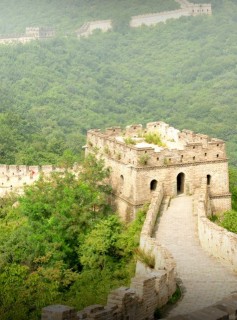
pixel 88 28
pixel 31 33
pixel 224 309
pixel 195 156
pixel 187 9
pixel 15 177
pixel 216 240
pixel 154 18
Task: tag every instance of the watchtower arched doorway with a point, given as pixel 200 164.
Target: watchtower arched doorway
pixel 208 179
pixel 180 183
pixel 153 185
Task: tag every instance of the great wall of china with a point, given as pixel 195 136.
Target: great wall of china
pixel 177 231
pixel 37 33
pixel 151 288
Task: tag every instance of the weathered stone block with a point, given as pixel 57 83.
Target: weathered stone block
pixel 58 312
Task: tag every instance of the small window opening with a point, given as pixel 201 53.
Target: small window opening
pixel 153 185
pixel 217 155
pixel 208 179
pixel 205 154
pixel 194 158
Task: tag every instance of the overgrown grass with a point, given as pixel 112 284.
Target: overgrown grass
pixel 154 138
pixel 129 141
pixel 147 258
pixel 143 159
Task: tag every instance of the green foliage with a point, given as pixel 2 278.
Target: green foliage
pixel 233 186
pixel 229 221
pixel 52 92
pixel 60 241
pixel 214 218
pixel 107 254
pixel 176 296
pixel 153 138
pixel 129 141
pixel 143 159
pixel 99 246
pixel 161 313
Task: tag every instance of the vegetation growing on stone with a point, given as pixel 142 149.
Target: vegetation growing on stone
pixel 146 258
pixel 153 138
pixel 143 159
pixel 129 141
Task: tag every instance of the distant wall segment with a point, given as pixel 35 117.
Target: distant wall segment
pixel 15 177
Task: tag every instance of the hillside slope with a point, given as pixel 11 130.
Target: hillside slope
pixel 183 72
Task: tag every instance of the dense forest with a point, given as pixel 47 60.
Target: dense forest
pixel 182 72
pixel 61 239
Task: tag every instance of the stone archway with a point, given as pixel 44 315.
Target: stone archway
pixel 208 179
pixel 180 183
pixel 153 185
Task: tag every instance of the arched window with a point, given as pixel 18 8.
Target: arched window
pixel 208 179
pixel 153 185
pixel 180 183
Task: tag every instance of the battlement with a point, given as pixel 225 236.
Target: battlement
pixel 15 177
pixel 40 32
pixel 31 33
pixel 156 145
pixel 142 158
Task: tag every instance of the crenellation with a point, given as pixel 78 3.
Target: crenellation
pixel 177 159
pixel 15 177
pixel 114 131
pixel 31 33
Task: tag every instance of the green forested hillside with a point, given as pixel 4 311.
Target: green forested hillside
pixel 183 72
pixel 67 16
pixel 60 241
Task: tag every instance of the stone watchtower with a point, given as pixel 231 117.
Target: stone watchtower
pixel 143 158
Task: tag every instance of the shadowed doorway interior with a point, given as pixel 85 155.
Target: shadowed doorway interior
pixel 180 183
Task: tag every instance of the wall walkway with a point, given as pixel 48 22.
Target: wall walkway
pixel 204 279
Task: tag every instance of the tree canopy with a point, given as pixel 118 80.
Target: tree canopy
pixel 182 72
pixel 61 241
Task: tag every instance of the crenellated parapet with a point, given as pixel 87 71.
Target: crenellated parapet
pixel 15 177
pixel 142 158
pixel 130 146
